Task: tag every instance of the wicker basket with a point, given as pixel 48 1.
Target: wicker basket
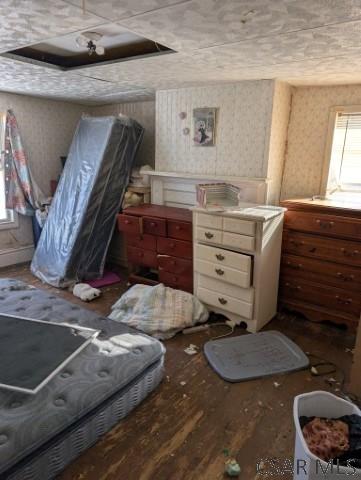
pixel 211 195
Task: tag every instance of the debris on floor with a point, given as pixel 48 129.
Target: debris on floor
pixel 276 384
pixel 191 349
pixel 232 468
pixel 183 383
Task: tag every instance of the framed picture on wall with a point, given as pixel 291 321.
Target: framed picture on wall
pixel 204 127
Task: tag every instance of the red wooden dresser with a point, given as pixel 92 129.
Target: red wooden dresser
pixel 159 245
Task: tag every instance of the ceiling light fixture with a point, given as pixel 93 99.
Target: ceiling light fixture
pixel 89 40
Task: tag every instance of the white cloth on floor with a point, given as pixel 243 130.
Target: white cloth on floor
pixel 158 311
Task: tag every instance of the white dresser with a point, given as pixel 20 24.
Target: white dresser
pixel 236 262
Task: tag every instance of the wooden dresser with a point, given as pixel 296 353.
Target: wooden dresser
pixel 321 261
pixel 159 245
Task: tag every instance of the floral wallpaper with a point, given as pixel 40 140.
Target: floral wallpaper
pixel 243 119
pixel 47 128
pixel 278 139
pixel 307 135
pixel 144 113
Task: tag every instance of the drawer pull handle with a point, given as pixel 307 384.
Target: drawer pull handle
pixel 296 267
pixel 220 257
pixel 153 224
pixel 171 245
pixel 324 224
pixel 346 278
pixel 209 235
pixel 343 301
pixel 127 222
pixel 293 287
pixel 347 253
pixel 222 301
pixel 219 271
pixel 177 227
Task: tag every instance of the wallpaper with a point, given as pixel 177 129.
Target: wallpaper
pixel 243 119
pixel 307 135
pixel 47 128
pixel 144 113
pixel 278 139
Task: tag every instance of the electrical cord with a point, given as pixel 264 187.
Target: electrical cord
pixel 324 367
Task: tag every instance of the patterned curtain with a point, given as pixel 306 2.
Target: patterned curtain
pixel 22 193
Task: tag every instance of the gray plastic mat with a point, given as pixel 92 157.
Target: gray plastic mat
pixel 255 355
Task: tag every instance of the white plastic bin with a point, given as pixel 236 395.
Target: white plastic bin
pixel 319 404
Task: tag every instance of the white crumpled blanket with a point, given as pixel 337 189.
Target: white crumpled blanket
pixel 158 311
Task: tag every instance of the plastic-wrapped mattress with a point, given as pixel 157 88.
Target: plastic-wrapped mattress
pixel 77 233
pixel 40 434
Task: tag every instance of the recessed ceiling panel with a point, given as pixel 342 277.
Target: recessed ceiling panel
pixel 107 43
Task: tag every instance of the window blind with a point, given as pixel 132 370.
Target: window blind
pixel 346 147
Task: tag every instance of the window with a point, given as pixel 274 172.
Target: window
pixel 343 153
pixel 7 217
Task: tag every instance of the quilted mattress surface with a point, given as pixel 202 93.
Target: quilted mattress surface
pixel 115 358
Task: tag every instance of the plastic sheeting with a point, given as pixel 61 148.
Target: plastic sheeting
pixel 77 233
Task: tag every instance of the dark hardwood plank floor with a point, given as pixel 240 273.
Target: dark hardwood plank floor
pixel 180 431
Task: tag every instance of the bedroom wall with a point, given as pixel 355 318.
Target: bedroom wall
pixel 278 139
pixel 243 124
pixel 47 128
pixel 307 135
pixel 144 113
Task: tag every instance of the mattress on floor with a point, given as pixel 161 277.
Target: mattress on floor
pixel 76 236
pixel 113 362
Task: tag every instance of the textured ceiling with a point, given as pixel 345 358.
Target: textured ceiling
pixel 303 42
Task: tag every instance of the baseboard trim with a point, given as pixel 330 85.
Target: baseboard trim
pixel 13 256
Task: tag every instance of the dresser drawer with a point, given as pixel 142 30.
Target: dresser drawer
pixel 225 302
pixel 241 242
pixel 182 282
pixel 209 221
pixel 146 258
pixel 245 294
pixel 180 230
pixel 317 294
pixel 319 271
pixel 129 224
pixel 209 235
pixel 180 266
pixel 225 274
pixel 329 225
pixel 155 226
pixel 174 248
pixel 145 242
pixel 331 249
pixel 224 257
pixel 235 225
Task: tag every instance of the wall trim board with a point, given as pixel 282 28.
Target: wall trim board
pixel 179 190
pixel 13 256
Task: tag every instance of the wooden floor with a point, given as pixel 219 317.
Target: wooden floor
pixel 180 432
